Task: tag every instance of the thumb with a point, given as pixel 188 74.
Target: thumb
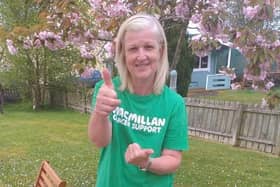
pixel 148 151
pixel 107 78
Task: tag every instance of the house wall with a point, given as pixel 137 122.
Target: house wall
pixel 218 58
pixel 198 79
pixel 238 61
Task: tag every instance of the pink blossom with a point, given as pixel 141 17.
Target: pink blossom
pixel 27 43
pixel 75 38
pixel 11 48
pixel 74 18
pixel 117 9
pixel 87 73
pixel 109 49
pixel 182 10
pixel 50 40
pixel 196 37
pixel 276 43
pixel 201 53
pixel 235 86
pixel 196 18
pixel 214 3
pixel 268 2
pixel 37 43
pixel 88 34
pixel 230 72
pixel 269 85
pixel 104 34
pixel 211 24
pixel 95 4
pixel 112 9
pixel 260 77
pixel 250 12
pixel 224 38
pixel 247 2
pixel 86 52
pixel 260 40
pixel 238 34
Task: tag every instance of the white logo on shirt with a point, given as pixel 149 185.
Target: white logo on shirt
pixel 138 122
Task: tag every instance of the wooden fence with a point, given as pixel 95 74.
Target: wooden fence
pixel 247 126
pixel 76 100
pixel 11 95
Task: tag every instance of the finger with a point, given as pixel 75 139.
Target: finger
pixel 135 146
pixel 108 104
pixel 107 78
pixel 103 111
pixel 148 152
pixel 112 102
pixel 109 93
pixel 108 99
pixel 129 153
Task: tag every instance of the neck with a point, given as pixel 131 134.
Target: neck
pixel 143 88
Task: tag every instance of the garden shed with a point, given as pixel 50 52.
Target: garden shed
pixel 206 74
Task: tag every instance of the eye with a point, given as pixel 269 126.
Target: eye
pixel 149 47
pixel 132 48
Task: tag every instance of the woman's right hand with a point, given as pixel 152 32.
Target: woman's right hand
pixel 106 99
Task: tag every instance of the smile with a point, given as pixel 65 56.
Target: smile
pixel 142 64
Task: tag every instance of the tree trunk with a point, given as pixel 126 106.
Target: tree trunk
pixel 36 96
pixel 36 89
pixel 179 47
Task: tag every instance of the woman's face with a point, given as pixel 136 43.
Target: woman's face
pixel 142 54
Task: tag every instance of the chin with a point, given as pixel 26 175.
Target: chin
pixel 143 77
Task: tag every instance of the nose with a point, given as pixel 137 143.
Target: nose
pixel 141 55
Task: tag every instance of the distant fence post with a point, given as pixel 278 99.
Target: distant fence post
pixel 65 98
pixel 277 144
pixel 238 122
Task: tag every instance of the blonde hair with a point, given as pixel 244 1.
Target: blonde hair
pixel 136 23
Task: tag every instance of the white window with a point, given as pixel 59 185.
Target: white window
pixel 201 63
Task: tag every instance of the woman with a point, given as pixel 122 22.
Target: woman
pixel 139 122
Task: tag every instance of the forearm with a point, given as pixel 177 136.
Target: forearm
pixel 168 162
pixel 164 164
pixel 99 130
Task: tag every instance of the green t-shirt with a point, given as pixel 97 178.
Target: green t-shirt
pixel 152 121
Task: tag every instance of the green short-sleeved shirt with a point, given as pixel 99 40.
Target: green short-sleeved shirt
pixel 152 121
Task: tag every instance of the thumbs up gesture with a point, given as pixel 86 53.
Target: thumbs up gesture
pixel 106 100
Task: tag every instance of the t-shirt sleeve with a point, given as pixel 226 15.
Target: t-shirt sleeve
pixel 176 137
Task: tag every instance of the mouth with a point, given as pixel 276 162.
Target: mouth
pixel 142 64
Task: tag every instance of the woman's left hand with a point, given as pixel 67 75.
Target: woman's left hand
pixel 137 156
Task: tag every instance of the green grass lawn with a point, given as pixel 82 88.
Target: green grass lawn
pixel 243 96
pixel 60 136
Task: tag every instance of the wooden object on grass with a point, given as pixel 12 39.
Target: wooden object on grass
pixel 47 177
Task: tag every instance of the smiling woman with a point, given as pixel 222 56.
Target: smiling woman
pixel 140 123
pixel 142 37
pixel 142 54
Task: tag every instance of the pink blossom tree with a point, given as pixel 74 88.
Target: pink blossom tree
pixel 89 26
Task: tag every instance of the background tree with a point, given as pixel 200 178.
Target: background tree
pixel 89 26
pixel 184 66
pixel 38 65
